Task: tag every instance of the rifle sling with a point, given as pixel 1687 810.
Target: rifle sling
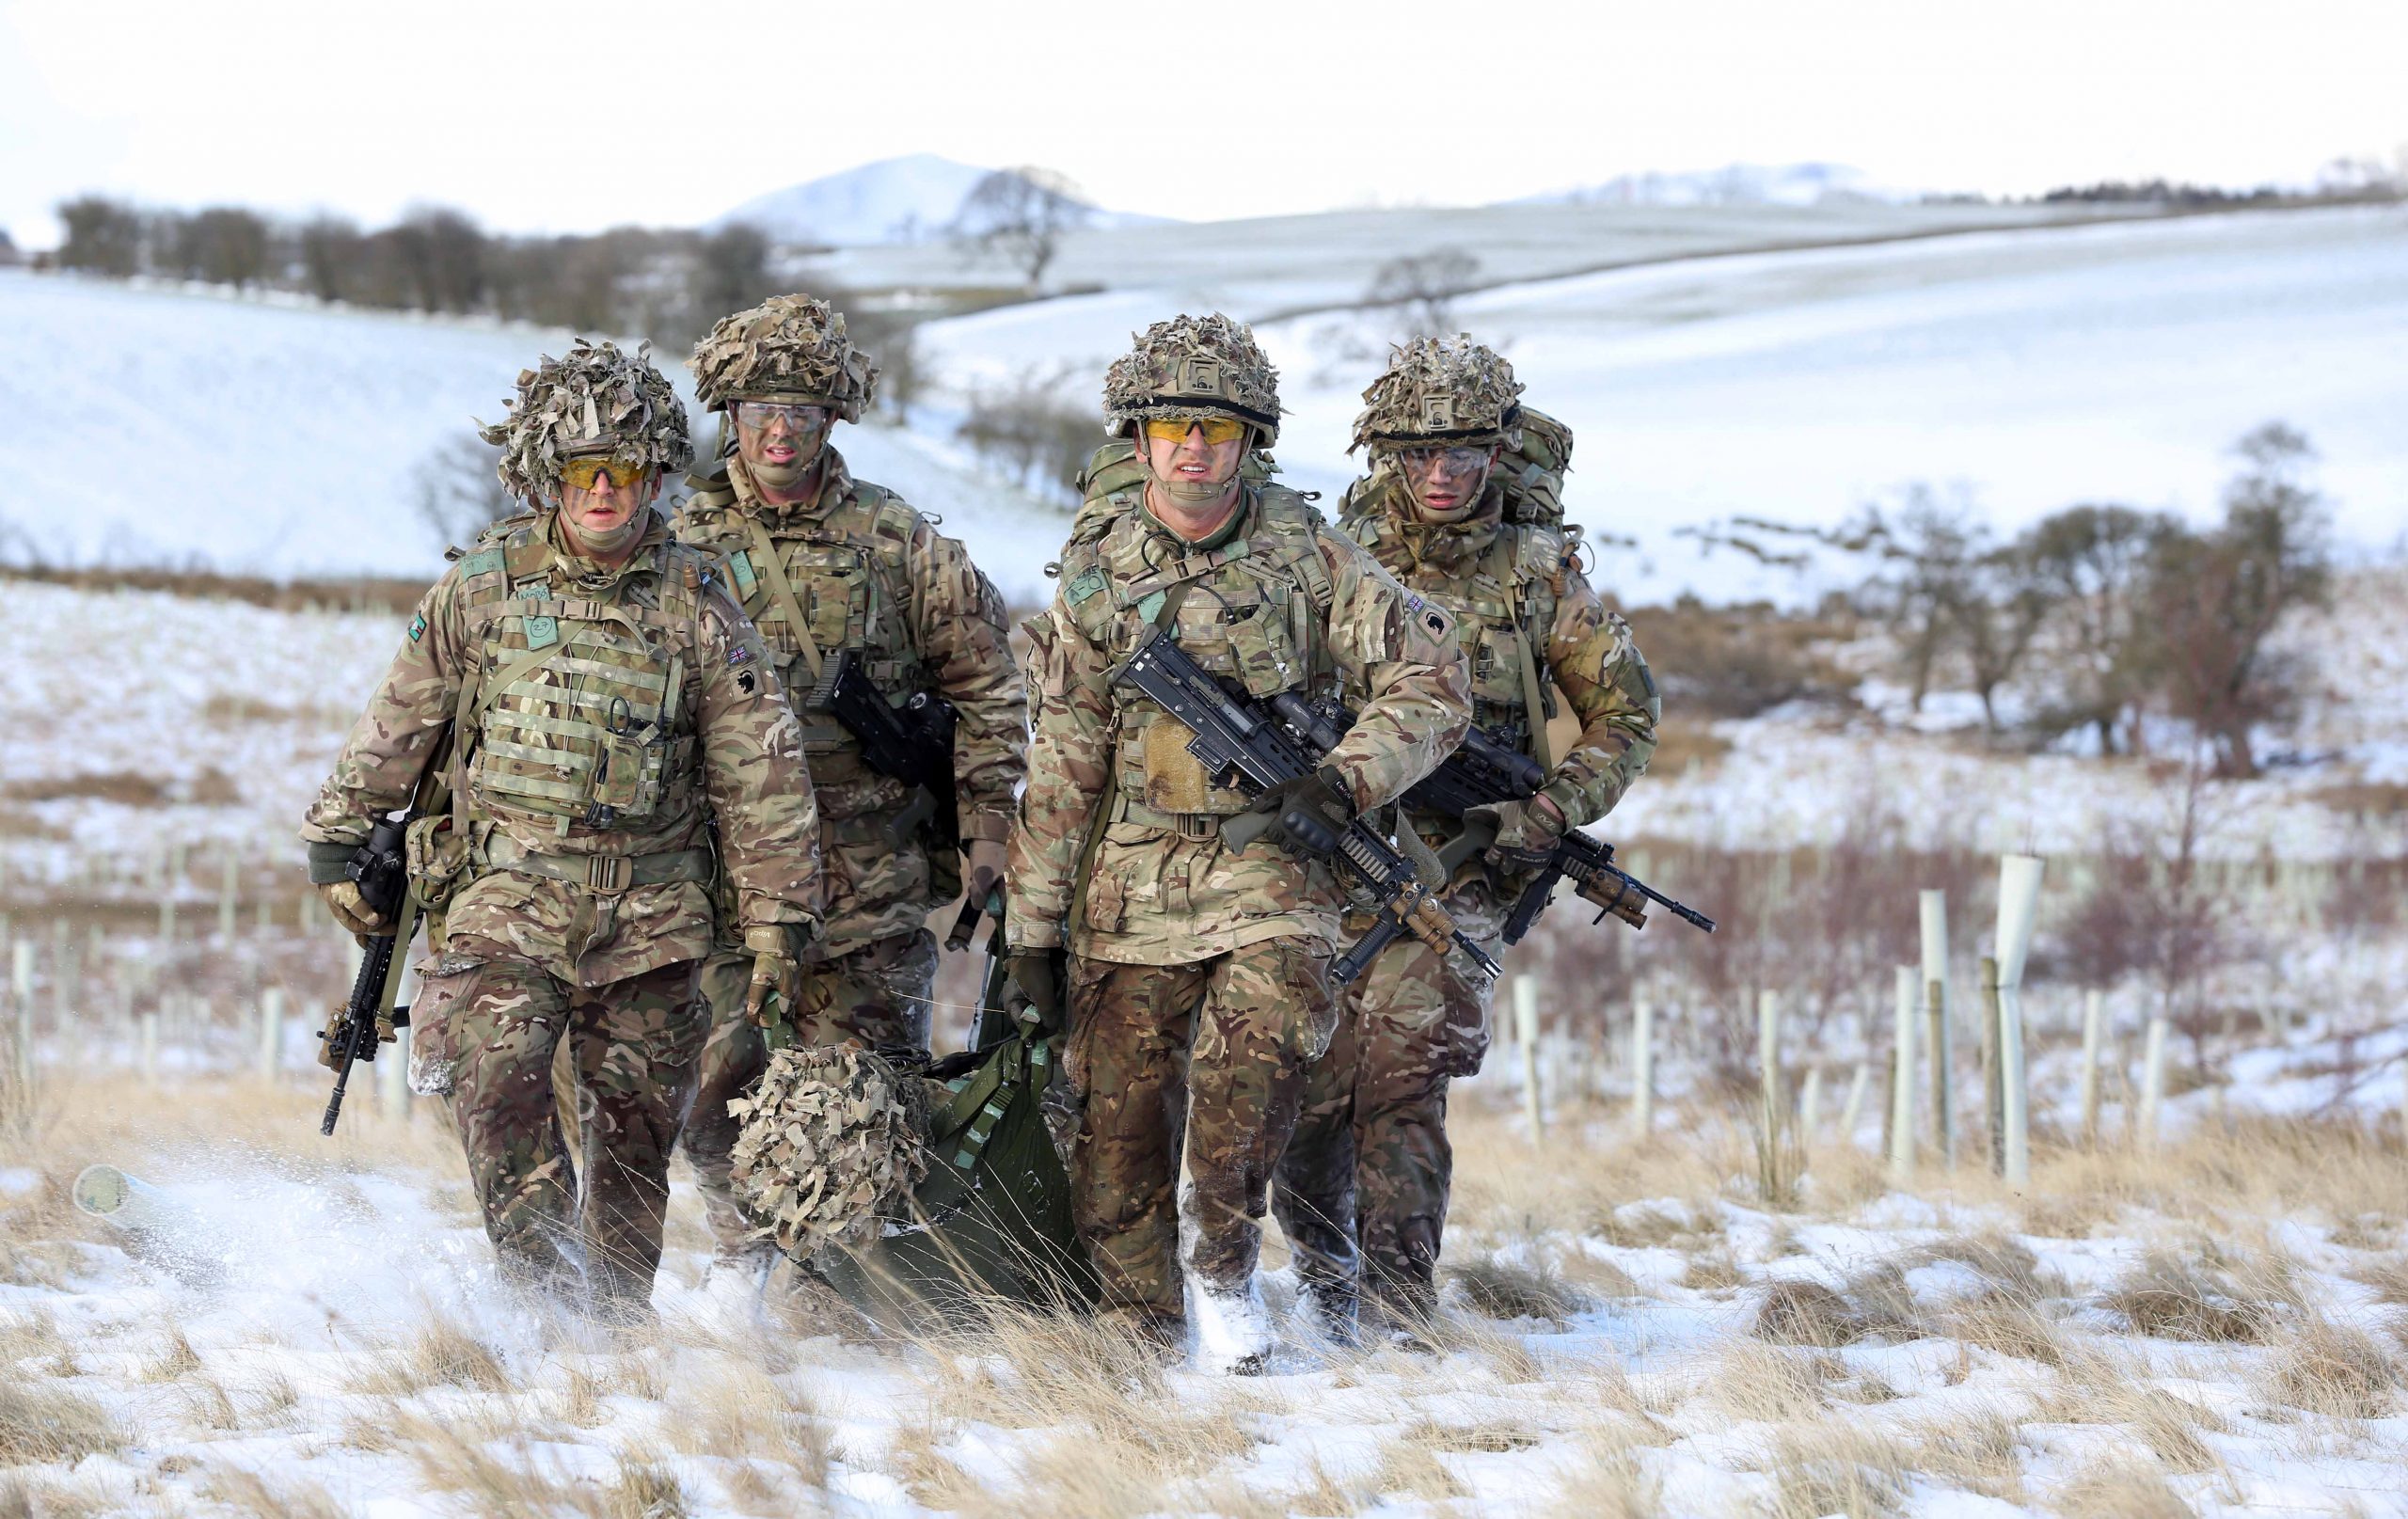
pixel 782 591
pixel 1106 805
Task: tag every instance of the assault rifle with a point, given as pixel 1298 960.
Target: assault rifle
pixel 381 869
pixel 1484 771
pixel 1236 740
pixel 911 743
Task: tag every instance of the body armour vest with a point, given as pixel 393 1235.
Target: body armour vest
pixel 1503 597
pixel 1253 611
pixel 845 570
pixel 581 710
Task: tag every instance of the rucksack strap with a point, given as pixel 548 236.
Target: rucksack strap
pixel 1504 557
pixel 782 592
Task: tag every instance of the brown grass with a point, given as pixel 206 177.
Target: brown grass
pixel 40 1424
pixel 1806 1313
pixel 2175 1296
pixel 2333 1369
pixel 247 1492
pixel 443 1354
pixel 1511 1289
pixel 2119 1489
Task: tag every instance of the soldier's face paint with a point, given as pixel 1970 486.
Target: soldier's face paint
pixel 1446 483
pixel 780 443
pixel 606 518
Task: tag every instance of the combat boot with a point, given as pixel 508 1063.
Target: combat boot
pixel 1327 1306
pixel 1232 1328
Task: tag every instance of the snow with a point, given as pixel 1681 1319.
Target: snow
pixel 153 426
pixel 908 199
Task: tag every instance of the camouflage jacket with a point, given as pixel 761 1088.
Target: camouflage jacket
pixel 611 715
pixel 1276 602
pixel 867 572
pixel 1509 582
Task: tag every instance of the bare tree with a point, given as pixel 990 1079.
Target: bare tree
pixel 103 236
pixel 456 490
pixel 1028 427
pixel 2093 560
pixel 1424 288
pixel 330 255
pixel 223 245
pixel 1020 215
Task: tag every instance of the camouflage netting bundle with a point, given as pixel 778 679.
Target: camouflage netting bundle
pixel 832 1139
pixel 597 399
pixel 792 347
pixel 1441 391
pixel 1192 367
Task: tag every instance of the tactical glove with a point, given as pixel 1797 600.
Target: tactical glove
pixel 1039 975
pixel 1306 815
pixel 985 860
pixel 351 910
pixel 1526 831
pixel 777 977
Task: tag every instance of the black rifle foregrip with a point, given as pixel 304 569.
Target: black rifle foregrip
pixel 1360 955
pixel 1531 903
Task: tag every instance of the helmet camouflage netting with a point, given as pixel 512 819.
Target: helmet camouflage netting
pixel 834 1139
pixel 1190 366
pixel 1441 391
pixel 792 347
pixel 597 399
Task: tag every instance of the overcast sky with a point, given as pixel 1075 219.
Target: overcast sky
pixel 572 117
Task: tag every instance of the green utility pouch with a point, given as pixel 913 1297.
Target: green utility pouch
pixel 992 1220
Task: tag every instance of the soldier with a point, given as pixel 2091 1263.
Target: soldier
pixel 1196 982
pixel 824 562
pixel 1369 1167
pixel 607 700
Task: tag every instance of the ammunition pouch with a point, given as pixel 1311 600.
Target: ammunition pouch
pixel 439 861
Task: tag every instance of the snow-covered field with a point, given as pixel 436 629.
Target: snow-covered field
pixel 152 426
pixel 2040 366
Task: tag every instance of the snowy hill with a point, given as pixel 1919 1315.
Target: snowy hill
pixel 1735 184
pixel 908 200
pixel 159 427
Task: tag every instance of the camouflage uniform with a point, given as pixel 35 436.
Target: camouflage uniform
pixel 1369 1165
pixel 1197 984
pixel 610 714
pixel 863 571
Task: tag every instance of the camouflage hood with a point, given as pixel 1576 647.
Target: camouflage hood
pixel 792 347
pixel 834 1139
pixel 1190 366
pixel 596 400
pixel 1441 391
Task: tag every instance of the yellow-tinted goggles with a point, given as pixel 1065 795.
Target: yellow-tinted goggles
pixel 1175 429
pixel 581 473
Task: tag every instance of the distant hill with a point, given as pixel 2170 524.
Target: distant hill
pixel 1735 184
pixel 908 200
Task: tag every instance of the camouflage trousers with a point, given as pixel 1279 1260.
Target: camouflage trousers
pixel 1211 1056
pixel 1363 1187
pixel 878 995
pixel 632 1046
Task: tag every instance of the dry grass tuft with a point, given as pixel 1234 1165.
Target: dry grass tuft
pixel 2119 1489
pixel 1492 1436
pixel 2009 1327
pixel 1757 1383
pixel 1981 1452
pixel 1830 1468
pixel 1408 1467
pixel 444 1354
pixel 643 1489
pixel 1609 1482
pixel 247 1492
pixel 1714 1271
pixel 1508 1290
pixel 2169 1296
pixel 1806 1313
pixel 2333 1369
pixel 2389 1279
pixel 177 1362
pixel 46 1424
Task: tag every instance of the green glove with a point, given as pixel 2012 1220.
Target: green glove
pixel 1527 831
pixel 1304 816
pixel 1039 975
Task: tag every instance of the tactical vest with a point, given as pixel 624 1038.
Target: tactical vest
pixel 1254 611
pixel 580 711
pixel 846 570
pixel 1504 615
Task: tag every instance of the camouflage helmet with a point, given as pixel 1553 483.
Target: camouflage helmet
pixel 833 1137
pixel 1192 366
pixel 790 348
pixel 1441 391
pixel 596 400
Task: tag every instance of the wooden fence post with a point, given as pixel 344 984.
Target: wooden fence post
pixel 1771 1156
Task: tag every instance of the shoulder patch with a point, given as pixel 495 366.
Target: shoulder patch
pixel 482 562
pixel 1087 583
pixel 418 627
pixel 739 567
